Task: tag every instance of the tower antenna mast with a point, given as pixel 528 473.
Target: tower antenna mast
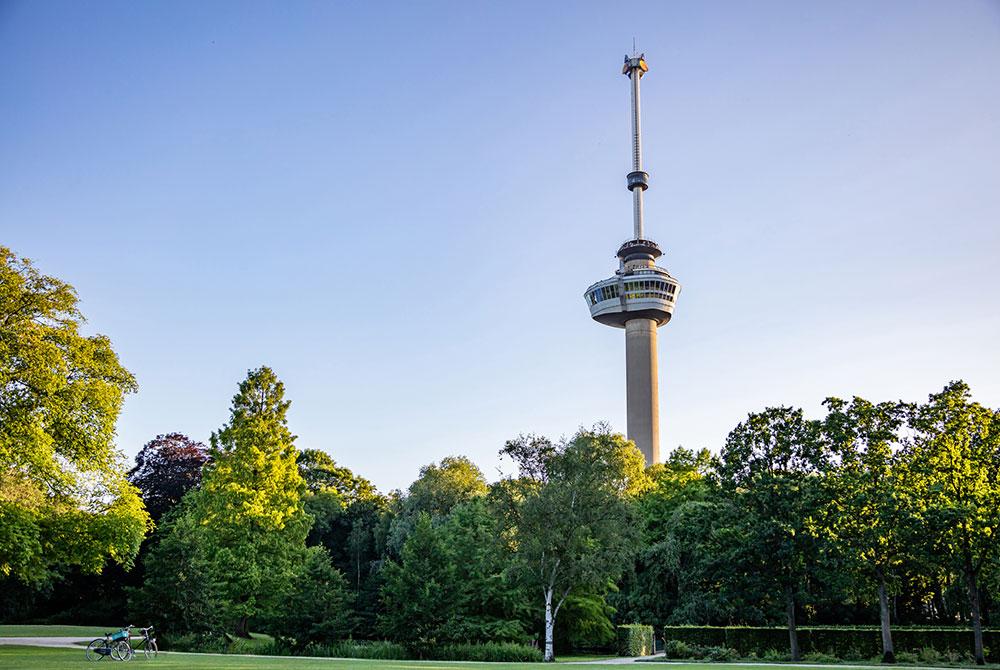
pixel 638 179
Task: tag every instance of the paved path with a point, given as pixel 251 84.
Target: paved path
pixel 622 660
pixel 71 642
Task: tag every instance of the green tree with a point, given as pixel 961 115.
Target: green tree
pixel 489 605
pixel 64 500
pixel 567 516
pixel 443 485
pixel 867 515
pixel 649 593
pixel 321 473
pixel 318 610
pixel 250 504
pixel 419 594
pixel 178 594
pixel 771 463
pixel 954 463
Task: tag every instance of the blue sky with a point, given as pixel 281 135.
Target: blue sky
pixel 398 206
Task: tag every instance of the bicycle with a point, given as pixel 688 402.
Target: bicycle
pixel 147 643
pixel 114 645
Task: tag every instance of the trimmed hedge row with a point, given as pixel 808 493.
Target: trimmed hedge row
pixel 635 639
pixel 854 643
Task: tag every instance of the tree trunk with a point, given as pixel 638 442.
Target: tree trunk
pixel 888 655
pixel 793 634
pixel 550 624
pixel 977 623
pixel 242 628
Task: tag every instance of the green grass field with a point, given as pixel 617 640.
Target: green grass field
pixel 38 658
pixel 54 631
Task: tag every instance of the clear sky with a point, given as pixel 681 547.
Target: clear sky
pixel 398 207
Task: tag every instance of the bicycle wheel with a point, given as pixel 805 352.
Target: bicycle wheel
pixel 122 651
pixel 92 653
pixel 150 650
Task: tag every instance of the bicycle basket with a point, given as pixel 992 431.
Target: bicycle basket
pixel 120 635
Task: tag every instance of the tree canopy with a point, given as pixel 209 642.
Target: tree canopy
pixel 64 500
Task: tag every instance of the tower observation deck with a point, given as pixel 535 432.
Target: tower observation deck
pixel 639 297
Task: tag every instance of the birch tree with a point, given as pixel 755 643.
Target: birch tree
pixel 568 521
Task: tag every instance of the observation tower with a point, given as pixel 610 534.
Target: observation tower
pixel 639 297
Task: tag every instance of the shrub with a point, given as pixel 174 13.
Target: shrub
pixel 721 654
pixel 820 657
pixel 380 650
pixel 500 652
pixel 852 643
pixel 677 649
pixel 906 657
pixel 929 656
pixel 635 640
pixel 774 656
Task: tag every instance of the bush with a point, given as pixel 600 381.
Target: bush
pixel 721 654
pixel 820 657
pixel 382 650
pixel 500 652
pixel 635 640
pixel 677 649
pixel 855 643
pixel 774 656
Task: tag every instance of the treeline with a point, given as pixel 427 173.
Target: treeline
pixel 872 513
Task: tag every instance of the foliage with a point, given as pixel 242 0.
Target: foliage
pixel 178 594
pixel 493 652
pixel 585 621
pixel 635 640
pixel 238 542
pixel 63 498
pixel 772 463
pixel 250 506
pixel 845 643
pixel 443 485
pixel 867 516
pixel 450 584
pixel 321 473
pixel 321 610
pixel 954 466
pixel 166 468
pixel 419 593
pixel 497 652
pixel 566 516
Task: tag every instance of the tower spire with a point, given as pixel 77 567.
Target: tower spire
pixel 637 180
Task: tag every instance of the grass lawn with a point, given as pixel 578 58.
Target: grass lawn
pixel 28 630
pixel 38 658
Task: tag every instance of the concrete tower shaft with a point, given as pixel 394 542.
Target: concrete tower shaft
pixel 640 297
pixel 642 387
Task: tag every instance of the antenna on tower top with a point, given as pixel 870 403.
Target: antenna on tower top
pixel 633 45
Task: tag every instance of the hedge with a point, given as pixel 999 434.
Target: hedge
pixel 848 643
pixel 635 640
